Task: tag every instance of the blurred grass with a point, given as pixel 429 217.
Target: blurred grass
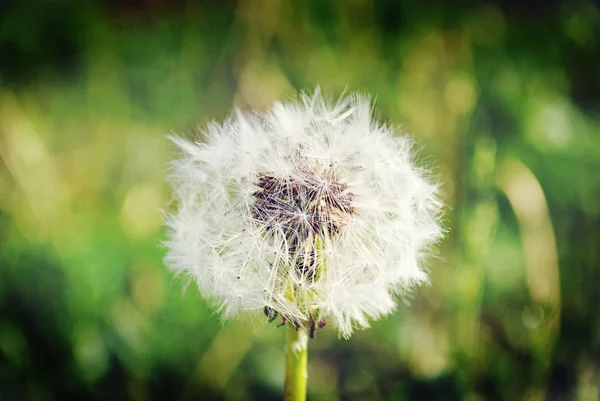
pixel 501 99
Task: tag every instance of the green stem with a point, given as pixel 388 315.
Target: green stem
pixel 296 357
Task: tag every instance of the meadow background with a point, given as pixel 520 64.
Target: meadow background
pixel 503 98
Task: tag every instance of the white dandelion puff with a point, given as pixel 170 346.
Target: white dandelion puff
pixel 312 212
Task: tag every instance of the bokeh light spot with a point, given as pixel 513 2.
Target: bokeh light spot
pixel 90 352
pixel 532 316
pixel 148 289
pixel 550 126
pixel 460 93
pixel 140 213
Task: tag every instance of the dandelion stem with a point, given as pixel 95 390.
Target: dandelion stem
pixel 296 357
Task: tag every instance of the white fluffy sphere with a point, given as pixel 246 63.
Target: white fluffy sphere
pixel 311 211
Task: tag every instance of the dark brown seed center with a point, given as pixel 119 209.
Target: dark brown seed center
pixel 302 209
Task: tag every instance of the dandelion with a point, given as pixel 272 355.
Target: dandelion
pixel 311 213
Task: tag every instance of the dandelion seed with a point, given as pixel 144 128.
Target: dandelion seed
pixel 311 212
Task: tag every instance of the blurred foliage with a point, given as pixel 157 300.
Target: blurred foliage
pixel 502 97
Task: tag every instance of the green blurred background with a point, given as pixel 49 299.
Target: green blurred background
pixel 503 98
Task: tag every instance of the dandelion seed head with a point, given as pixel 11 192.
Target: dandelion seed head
pixel 311 211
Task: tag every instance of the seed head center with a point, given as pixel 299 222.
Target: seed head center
pixel 302 207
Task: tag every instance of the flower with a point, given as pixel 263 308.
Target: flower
pixel 311 211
